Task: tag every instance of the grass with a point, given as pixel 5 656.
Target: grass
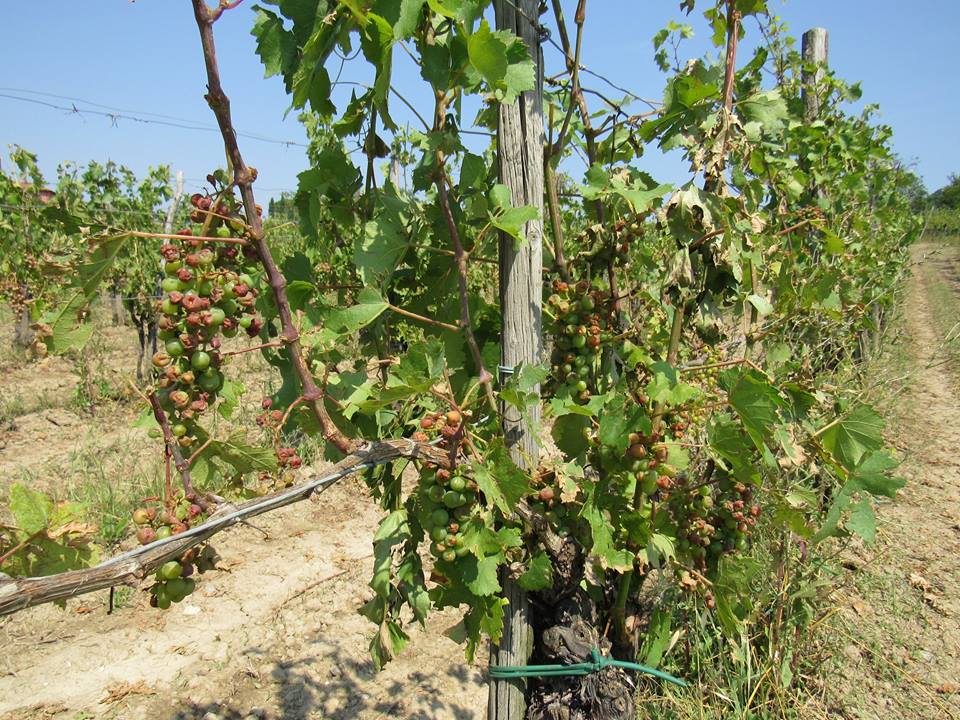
pixel 108 481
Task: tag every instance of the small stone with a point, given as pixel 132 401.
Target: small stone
pixel 212 716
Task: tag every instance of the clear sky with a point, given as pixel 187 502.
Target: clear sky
pixel 143 57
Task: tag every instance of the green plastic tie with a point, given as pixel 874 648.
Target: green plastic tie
pixel 598 662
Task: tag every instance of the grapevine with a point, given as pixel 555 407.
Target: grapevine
pixel 686 407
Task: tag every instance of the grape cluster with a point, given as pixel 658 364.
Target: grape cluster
pixel 157 522
pixel 609 247
pixel 446 497
pixel 207 293
pixel 580 325
pixel 712 520
pixel 173 581
pixel 287 457
pixel 545 500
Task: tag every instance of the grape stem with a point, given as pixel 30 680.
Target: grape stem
pixel 173 449
pixel 243 177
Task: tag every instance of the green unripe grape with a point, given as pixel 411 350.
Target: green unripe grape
pixel 449 555
pixel 440 517
pixel 166 335
pixel 163 532
pixel 581 385
pixel 171 267
pixel 231 332
pixel 179 430
pixel 438 550
pixel 586 303
pixel 457 484
pixel 163 600
pixel 217 316
pixel 174 348
pixel 200 360
pixel 223 231
pixel 438 534
pixel 462 551
pixel 246 280
pixel 229 306
pixel 454 499
pixel 228 293
pixel 178 589
pixel 245 322
pixel 170 570
pixel 579 341
pixel 168 308
pixel 435 493
pixel 210 382
pixel 649 484
pixel 170 284
pixel 204 287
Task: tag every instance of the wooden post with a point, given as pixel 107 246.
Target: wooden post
pixel 520 161
pixel 815 52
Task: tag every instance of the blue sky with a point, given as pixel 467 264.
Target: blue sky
pixel 144 57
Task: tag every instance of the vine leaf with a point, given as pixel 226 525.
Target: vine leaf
pixel 539 573
pixel 378 250
pixel 862 520
pixel 409 18
pixel 480 574
pixel 757 403
pixel 62 329
pixel 502 60
pixel 348 320
pixel 854 437
pixel 873 474
pixel 30 508
pixel 275 45
pixel 500 480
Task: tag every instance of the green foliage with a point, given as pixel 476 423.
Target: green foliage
pixel 698 334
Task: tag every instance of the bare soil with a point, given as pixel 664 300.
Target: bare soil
pixel 275 634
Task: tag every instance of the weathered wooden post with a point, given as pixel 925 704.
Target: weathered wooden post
pixel 520 159
pixel 815 51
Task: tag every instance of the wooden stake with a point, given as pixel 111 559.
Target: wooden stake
pixel 520 158
pixel 815 52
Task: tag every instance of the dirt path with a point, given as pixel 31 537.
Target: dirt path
pixel 275 636
pixel 900 635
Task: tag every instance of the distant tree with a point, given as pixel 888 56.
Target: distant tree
pixel 283 208
pixel 949 195
pixel 912 188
